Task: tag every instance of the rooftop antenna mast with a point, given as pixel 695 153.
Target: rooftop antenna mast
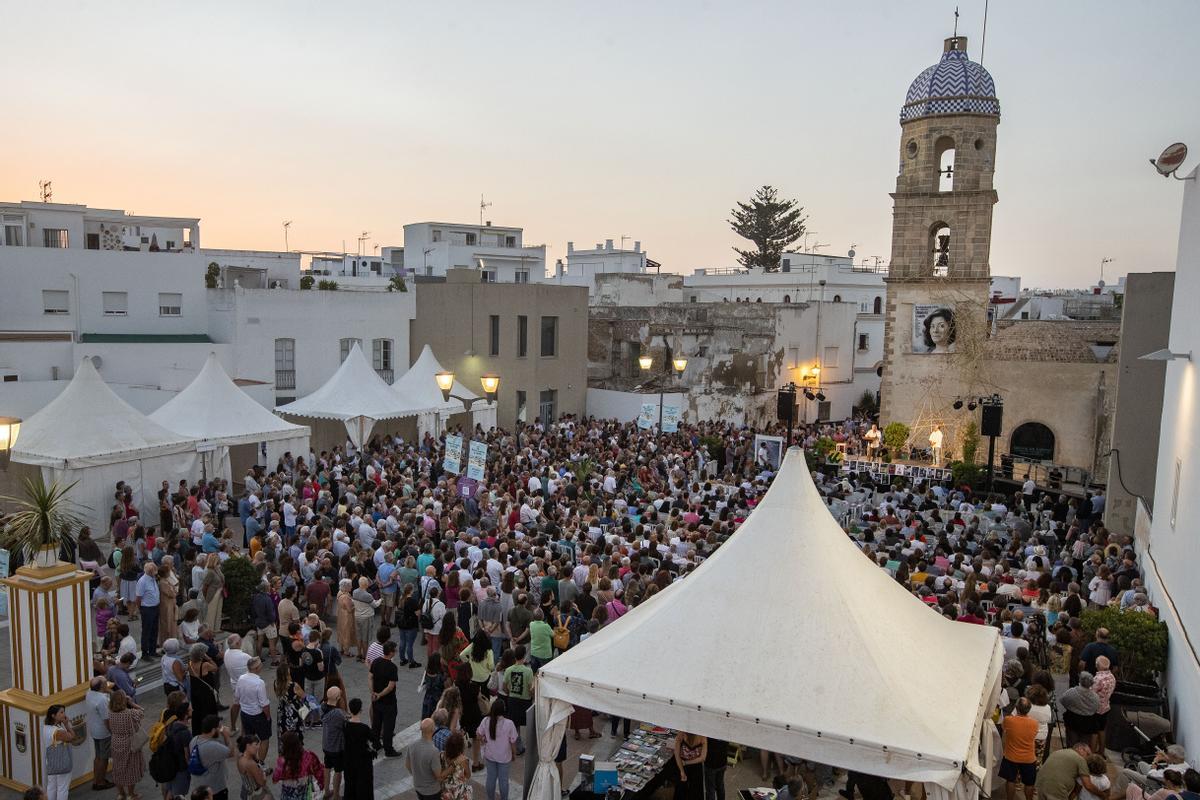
pixel 956 22
pixel 983 43
pixel 45 191
pixel 482 207
pixel 366 235
pixel 287 223
pixel 1103 261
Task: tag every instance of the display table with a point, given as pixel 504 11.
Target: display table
pixel 644 761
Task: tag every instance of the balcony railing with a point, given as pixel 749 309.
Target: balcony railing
pixel 285 379
pixel 387 374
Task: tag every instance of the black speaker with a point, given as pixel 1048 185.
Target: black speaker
pixel 992 420
pixel 785 405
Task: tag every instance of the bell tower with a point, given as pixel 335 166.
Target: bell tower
pixel 941 231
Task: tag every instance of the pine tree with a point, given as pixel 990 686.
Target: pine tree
pixel 771 224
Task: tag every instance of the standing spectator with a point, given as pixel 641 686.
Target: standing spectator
pixel 364 616
pixel 333 739
pixel 1093 650
pixel 384 677
pixel 409 624
pixel 213 590
pixel 249 767
pixel 59 737
pixel 1020 751
pixel 345 618
pixel 297 771
pixel 253 705
pixel 125 721
pixel 359 756
pixel 716 761
pixel 499 738
pixel 455 773
pixel 1104 683
pixel 96 700
pixel 213 747
pixel 424 761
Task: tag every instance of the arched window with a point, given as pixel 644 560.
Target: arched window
pixel 787 298
pixel 939 245
pixel 1032 440
pixel 943 149
pixel 837 298
pixel 878 307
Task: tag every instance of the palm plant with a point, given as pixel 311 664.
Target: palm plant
pixel 45 519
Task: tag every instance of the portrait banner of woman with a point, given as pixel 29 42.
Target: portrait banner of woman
pixel 934 329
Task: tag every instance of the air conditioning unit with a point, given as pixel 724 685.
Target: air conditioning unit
pixel 9 375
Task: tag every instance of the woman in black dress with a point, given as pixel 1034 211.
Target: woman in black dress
pixel 203 674
pixel 358 756
pixel 690 751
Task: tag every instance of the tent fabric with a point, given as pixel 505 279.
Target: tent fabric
pixel 418 386
pixel 88 425
pixel 788 638
pixel 213 408
pixel 355 395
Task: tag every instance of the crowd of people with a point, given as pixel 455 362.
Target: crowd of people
pixel 379 555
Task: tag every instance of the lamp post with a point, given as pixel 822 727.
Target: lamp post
pixel 10 429
pixel 678 364
pixel 490 383
pixel 811 378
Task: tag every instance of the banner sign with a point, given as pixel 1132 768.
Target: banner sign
pixel 477 461
pixel 454 452
pixel 646 416
pixel 466 487
pixel 768 451
pixel 882 472
pixel 670 419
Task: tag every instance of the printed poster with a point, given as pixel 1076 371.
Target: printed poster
pixel 452 463
pixel 934 329
pixel 646 416
pixel 670 423
pixel 477 461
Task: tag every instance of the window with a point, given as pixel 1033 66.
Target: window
pixel 510 241
pixel 837 298
pixel 863 342
pixel 878 307
pixel 54 237
pixel 471 238
pixel 346 345
pixel 787 265
pixel 170 304
pixel 787 298
pixel 56 301
pixel 14 230
pixel 381 358
pixel 437 235
pixel 521 276
pixel 823 408
pixel 830 361
pixel 522 336
pixel 1032 440
pixel 549 337
pixel 940 246
pixel 92 242
pixel 522 407
pixel 494 335
pixel 285 363
pixel 1024 315
pixel 547 406
pixel 116 304
pixel 487 276
pixel 170 244
pixel 944 147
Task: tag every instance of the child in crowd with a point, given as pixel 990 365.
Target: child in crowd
pixel 1098 772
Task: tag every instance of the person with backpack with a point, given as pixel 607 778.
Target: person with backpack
pixel 207 754
pixel 169 740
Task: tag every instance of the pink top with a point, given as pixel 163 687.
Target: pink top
pixel 1103 685
pixel 499 749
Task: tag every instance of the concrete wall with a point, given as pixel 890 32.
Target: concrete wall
pixel 625 406
pixel 1145 327
pixel 1169 561
pixel 453 317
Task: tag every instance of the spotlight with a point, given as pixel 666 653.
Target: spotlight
pixel 808 394
pixel 821 397
pixel 958 404
pixel 971 406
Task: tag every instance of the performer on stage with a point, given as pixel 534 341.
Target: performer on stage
pixel 873 438
pixel 935 444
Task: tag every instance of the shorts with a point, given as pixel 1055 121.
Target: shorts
pixel 258 724
pixel 335 761
pixel 269 632
pixel 103 748
pixel 1009 770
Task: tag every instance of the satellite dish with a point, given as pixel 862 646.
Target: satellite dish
pixel 851 253
pixel 1171 159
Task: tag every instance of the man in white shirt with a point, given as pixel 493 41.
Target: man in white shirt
pixel 250 696
pixel 935 444
pixel 237 664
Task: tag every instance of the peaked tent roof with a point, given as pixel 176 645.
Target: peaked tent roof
pixel 790 639
pixel 355 390
pixel 418 385
pixel 212 407
pixel 87 425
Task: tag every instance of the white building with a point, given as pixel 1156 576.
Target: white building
pixel 582 266
pixel 499 253
pixel 1167 544
pixel 254 269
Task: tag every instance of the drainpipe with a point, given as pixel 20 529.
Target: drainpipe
pixel 75 296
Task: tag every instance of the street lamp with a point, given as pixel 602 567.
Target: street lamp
pixel 491 388
pixel 10 429
pixel 645 361
pixel 679 364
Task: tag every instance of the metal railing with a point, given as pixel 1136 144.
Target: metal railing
pixel 285 379
pixel 387 374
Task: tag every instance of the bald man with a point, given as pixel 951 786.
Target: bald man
pixel 333 740
pixel 423 761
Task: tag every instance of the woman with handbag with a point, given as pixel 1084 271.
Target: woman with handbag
pixel 60 737
pixel 128 764
pixel 297 771
pixel 292 707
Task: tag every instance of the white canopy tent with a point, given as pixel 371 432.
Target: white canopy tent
pixel 89 436
pixel 212 408
pixel 789 639
pixel 419 387
pixel 355 395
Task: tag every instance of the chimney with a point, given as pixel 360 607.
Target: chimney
pixel 558 268
pixel 637 247
pixel 570 247
pixel 489 223
pixel 608 244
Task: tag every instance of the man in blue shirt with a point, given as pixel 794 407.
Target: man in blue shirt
pixel 209 543
pixel 119 674
pixel 147 600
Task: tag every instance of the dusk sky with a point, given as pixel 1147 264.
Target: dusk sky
pixel 587 121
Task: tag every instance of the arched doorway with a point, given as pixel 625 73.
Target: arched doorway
pixel 1032 440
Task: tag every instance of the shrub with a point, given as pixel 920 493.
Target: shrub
pixel 307 282
pixel 962 472
pixel 867 404
pixel 826 449
pixel 1140 639
pixel 327 286
pixel 211 275
pixel 397 284
pixel 894 437
pixel 970 442
pixel 240 579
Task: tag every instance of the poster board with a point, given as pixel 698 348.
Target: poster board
pixel 452 462
pixel 774 448
pixel 477 461
pixel 882 472
pixel 934 329
pixel 645 419
pixel 670 419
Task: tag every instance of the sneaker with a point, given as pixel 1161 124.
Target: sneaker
pixel 403 661
pixel 391 754
pixel 414 664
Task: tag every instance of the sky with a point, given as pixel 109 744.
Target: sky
pixel 589 121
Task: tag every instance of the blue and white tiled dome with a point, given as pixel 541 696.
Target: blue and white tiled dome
pixel 954 85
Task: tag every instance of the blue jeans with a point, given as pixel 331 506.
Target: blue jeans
pixel 498 647
pixel 407 639
pixel 496 772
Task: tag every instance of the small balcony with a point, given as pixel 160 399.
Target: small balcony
pixel 285 379
pixel 387 375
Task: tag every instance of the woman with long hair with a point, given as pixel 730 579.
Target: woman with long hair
pixel 213 590
pixel 59 738
pixel 292 709
pixel 499 738
pixel 690 751
pixel 473 686
pixel 455 773
pixel 129 571
pixel 250 769
pixel 201 680
pixel 297 771
pixel 433 683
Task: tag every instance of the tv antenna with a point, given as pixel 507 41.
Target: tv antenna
pixel 1103 261
pixel 983 42
pixel 45 191
pixel 1167 164
pixel 366 235
pixel 482 207
pixel 287 223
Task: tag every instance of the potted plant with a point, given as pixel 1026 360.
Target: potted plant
pixel 44 521
pixel 1141 640
pixel 240 579
pixel 894 437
